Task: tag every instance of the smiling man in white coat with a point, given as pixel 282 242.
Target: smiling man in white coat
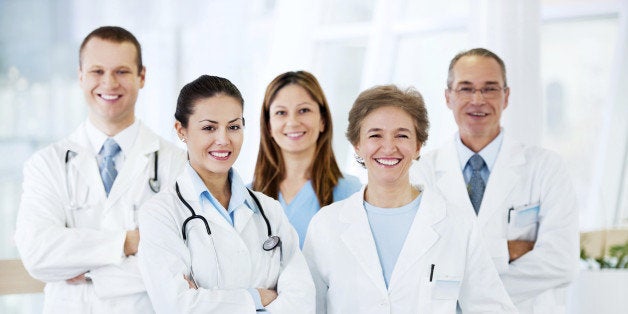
pixel 76 227
pixel 522 196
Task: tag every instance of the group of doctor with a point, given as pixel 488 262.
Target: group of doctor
pixel 464 235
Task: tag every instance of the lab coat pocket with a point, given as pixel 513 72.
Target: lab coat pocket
pixel 446 288
pixel 87 216
pixel 523 222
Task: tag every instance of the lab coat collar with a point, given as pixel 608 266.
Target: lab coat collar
pixel 214 218
pixel 358 237
pixel 502 180
pixel 135 164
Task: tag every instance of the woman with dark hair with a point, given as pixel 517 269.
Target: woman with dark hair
pixel 296 163
pixel 209 244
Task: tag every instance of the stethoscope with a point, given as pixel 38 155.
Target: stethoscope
pixel 270 244
pixel 153 182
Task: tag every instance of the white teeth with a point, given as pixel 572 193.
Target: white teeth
pixel 219 155
pixel 109 97
pixel 295 134
pixel 478 114
pixel 388 162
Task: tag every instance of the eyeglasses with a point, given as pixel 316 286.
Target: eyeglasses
pixel 488 92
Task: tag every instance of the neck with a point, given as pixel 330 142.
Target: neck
pixel 390 196
pixel 217 184
pixel 111 128
pixel 477 142
pixel 298 165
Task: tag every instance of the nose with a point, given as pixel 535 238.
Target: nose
pixel 388 145
pixel 110 80
pixel 222 138
pixel 477 97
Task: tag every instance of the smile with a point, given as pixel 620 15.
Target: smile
pixel 109 97
pixel 294 134
pixel 478 114
pixel 388 161
pixel 220 155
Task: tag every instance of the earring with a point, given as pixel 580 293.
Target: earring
pixel 359 160
pixel 184 140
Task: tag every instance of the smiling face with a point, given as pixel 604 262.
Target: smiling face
pixel 476 116
pixel 388 144
pixel 214 135
pixel 110 82
pixel 295 121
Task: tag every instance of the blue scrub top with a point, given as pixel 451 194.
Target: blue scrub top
pixel 305 204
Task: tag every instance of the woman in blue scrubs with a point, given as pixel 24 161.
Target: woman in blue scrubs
pixel 296 163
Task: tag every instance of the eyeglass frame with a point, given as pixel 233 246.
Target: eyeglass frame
pixel 483 91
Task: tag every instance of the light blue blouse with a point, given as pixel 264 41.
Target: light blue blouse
pixel 305 204
pixel 390 227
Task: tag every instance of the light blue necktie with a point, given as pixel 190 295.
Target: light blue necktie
pixel 476 183
pixel 107 166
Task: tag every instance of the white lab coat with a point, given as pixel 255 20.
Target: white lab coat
pixel 225 264
pixel 343 259
pixel 522 175
pixel 66 228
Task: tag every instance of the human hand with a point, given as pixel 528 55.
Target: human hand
pixel 78 280
pixel 191 282
pixel 267 295
pixel 131 242
pixel 517 248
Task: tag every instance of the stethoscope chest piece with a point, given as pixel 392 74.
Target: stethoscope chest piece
pixel 271 243
pixel 154 185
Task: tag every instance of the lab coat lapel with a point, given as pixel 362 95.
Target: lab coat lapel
pixel 214 219
pixel 502 180
pixel 421 236
pixel 359 240
pixel 83 165
pixel 135 164
pixel 449 178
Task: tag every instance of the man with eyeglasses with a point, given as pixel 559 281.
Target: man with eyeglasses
pixel 522 195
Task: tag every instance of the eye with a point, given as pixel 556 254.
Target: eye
pixel 209 128
pixel 402 136
pixel 465 89
pixel 97 71
pixel 374 135
pixel 304 110
pixel 490 89
pixel 280 113
pixel 123 71
pixel 235 127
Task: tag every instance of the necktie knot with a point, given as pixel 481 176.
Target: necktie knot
pixel 476 162
pixel 110 148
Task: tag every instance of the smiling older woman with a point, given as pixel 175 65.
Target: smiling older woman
pixel 395 247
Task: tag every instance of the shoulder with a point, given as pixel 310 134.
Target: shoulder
pixel 333 214
pixel 346 186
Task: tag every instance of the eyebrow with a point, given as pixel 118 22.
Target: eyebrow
pixel 380 129
pixel 485 83
pixel 216 122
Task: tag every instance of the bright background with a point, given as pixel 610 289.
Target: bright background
pixel 567 64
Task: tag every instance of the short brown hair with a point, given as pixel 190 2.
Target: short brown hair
pixel 409 100
pixel 114 34
pixel 477 52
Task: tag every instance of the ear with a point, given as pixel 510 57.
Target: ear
pixel 142 75
pixel 448 99
pixel 181 131
pixel 322 125
pixel 506 94
pixel 418 151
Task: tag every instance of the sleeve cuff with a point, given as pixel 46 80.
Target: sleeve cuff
pixel 256 298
